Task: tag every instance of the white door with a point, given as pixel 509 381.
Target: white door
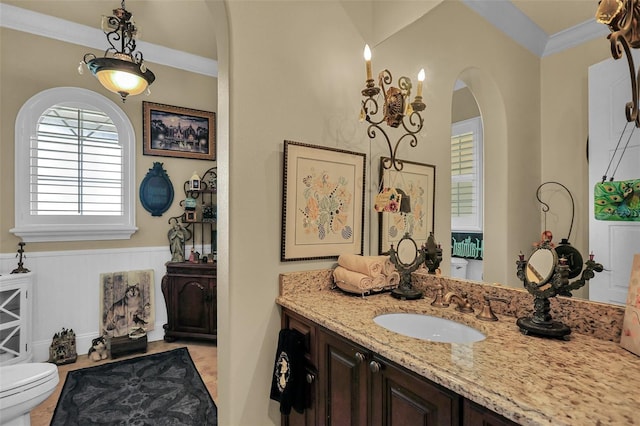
pixel 613 242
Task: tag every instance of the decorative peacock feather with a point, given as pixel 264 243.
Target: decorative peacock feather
pixel 617 200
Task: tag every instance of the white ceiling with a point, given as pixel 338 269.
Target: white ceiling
pixel 543 26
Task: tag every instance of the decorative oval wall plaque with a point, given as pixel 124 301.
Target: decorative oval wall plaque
pixel 156 191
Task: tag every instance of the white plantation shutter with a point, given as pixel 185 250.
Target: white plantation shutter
pixel 75 168
pixel 466 175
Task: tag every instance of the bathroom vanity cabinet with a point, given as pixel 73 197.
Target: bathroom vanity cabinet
pixel 15 317
pixel 349 384
pixel 190 295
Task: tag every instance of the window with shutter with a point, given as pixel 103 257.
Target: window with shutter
pixel 75 162
pixel 466 175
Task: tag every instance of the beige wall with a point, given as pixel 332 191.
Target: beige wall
pixel 28 66
pixel 565 129
pixel 290 75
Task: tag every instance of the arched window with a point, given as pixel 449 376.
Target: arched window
pixel 75 163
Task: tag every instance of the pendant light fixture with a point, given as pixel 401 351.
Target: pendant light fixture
pixel 122 69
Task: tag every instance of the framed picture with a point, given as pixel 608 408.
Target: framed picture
pixel 170 131
pixel 418 182
pixel 126 302
pixel 322 202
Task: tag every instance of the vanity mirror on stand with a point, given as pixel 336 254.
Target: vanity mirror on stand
pixel 407 258
pixel 546 275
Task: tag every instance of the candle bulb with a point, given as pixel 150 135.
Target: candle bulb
pixel 367 58
pixel 420 80
pixel 521 256
pixel 591 256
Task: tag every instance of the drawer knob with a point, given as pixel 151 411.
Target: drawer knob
pixel 374 366
pixel 359 357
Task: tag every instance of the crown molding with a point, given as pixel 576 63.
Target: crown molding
pixel 575 36
pixel 39 24
pixel 506 17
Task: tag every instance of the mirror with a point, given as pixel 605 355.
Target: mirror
pixel 545 276
pixel 541 265
pixel 407 251
pixel 407 258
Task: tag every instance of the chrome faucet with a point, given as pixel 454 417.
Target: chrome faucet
pixel 461 302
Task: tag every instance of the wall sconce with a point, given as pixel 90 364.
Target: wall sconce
pixel 122 69
pixel 396 111
pixel 622 18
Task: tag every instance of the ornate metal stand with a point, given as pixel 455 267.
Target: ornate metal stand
pixel 432 254
pixel 541 323
pixel 405 290
pixel 20 269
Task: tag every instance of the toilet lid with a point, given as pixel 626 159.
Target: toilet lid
pixel 25 375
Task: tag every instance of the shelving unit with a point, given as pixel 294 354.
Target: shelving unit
pixel 202 232
pixel 190 287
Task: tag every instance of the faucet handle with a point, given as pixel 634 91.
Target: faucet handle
pixel 486 314
pixel 439 301
pixel 465 306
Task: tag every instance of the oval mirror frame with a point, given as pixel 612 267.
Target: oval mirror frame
pixel 541 266
pixel 407 251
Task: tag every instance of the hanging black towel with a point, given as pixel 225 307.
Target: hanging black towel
pixel 288 385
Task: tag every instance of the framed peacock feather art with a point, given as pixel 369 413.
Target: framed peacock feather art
pixel 617 200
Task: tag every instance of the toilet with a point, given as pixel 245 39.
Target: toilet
pixel 22 388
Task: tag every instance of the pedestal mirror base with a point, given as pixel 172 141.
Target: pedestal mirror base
pixel 406 294
pixel 553 329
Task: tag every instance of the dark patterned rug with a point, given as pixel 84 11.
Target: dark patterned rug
pixel 156 390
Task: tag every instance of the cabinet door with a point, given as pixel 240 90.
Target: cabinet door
pixel 343 398
pixel 400 397
pixel 308 329
pixel 476 415
pixel 192 303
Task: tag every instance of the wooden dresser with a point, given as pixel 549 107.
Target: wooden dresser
pixel 190 295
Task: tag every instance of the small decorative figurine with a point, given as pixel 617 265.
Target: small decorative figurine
pixel 63 347
pixel 20 269
pixel 194 182
pixel 177 236
pixel 98 350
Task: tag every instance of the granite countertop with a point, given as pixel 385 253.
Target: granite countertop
pixel 530 380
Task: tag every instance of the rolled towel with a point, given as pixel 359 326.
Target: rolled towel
pixel 351 281
pixel 355 282
pixel 393 279
pixel 387 266
pixel 379 283
pixel 372 266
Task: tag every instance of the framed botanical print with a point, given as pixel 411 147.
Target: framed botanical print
pixel 417 182
pixel 322 202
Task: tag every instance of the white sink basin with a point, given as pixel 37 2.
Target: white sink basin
pixel 428 327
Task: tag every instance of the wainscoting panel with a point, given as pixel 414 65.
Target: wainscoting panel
pixel 66 290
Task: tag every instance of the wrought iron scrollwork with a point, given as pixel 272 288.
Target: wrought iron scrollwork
pixel 396 111
pixel 623 18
